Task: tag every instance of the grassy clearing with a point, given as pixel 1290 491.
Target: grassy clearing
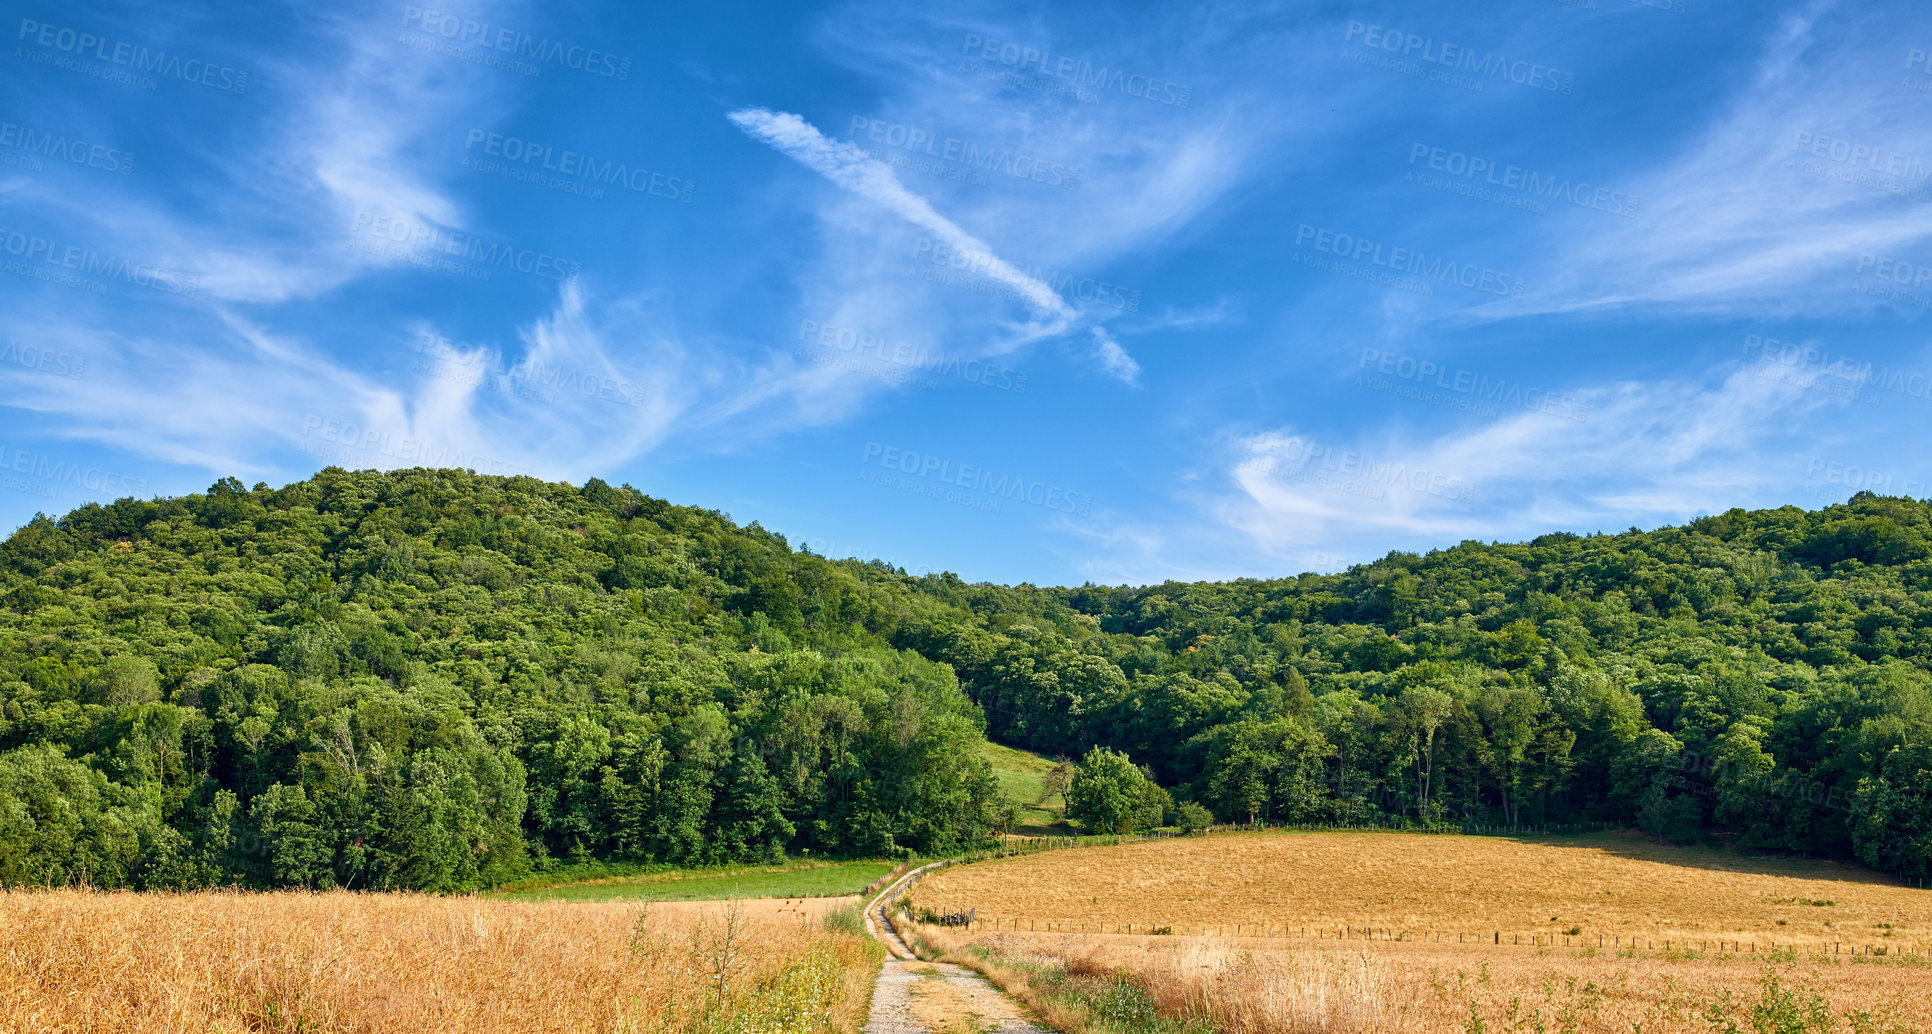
pixel 339 963
pixel 1023 779
pixel 798 879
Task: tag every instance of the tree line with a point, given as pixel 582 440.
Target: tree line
pixel 1760 677
pixel 437 680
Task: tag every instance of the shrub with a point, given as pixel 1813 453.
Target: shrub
pixel 846 919
pixel 1194 818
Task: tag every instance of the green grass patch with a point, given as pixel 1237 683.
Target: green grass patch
pixel 1089 1003
pixel 800 879
pixel 1022 777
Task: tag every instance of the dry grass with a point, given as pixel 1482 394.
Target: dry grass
pixel 1233 989
pixel 794 909
pixel 1242 992
pixel 1614 886
pixel 1029 971
pixel 1611 886
pixel 1381 988
pixel 80 961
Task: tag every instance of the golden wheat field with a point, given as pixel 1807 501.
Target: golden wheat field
pixel 1611 886
pixel 340 962
pixel 1255 986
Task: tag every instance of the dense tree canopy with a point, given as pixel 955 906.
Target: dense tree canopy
pixel 1764 676
pixel 433 679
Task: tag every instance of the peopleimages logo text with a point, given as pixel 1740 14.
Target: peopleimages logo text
pixel 58 471
pixel 485 367
pixel 986 265
pixel 511 41
pixel 1426 49
pixel 58 146
pixel 1885 267
pixel 133 56
pixel 953 149
pixel 1514 177
pixel 1802 357
pixel 43 360
pixel 979 479
pixel 434 240
pixel 577 164
pixel 1079 72
pixel 1860 479
pixel 1871 156
pixel 43 258
pixel 1310 461
pixel 1409 261
pixel 861 346
pixel 1475 385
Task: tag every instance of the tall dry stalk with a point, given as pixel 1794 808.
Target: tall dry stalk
pixel 1243 992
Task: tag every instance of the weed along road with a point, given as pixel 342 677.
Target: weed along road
pixel 913 996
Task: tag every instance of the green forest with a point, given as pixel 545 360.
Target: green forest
pixel 435 680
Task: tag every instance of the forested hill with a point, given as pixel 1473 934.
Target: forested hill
pixel 434 679
pixel 1758 676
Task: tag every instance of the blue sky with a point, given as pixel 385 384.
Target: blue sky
pixel 1117 294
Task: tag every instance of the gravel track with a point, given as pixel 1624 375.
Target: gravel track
pixel 899 999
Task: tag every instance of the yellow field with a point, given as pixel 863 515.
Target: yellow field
pixel 80 961
pixel 1255 986
pixel 766 910
pixel 1608 886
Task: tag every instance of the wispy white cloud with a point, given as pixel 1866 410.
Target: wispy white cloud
pixel 1114 359
pixel 1140 178
pixel 237 397
pixel 1744 217
pixel 1649 452
pixel 216 381
pixel 851 168
pixel 223 396
pixel 266 208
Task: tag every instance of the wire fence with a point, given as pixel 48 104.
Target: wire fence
pixel 1020 844
pixel 1493 938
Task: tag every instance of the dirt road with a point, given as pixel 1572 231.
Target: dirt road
pixel 914 997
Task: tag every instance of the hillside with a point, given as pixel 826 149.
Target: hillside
pixel 437 680
pixel 1027 781
pixel 430 679
pixel 1760 676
